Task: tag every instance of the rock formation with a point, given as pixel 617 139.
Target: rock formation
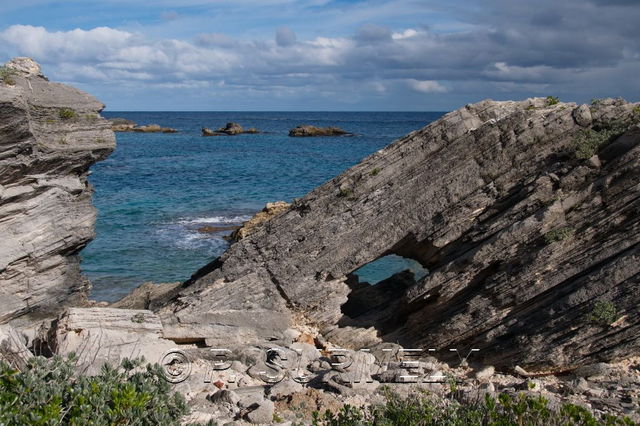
pixel 230 129
pixel 50 134
pixel 267 213
pixel 525 213
pixel 125 125
pixel 308 131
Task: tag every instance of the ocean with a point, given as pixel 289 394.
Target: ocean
pixel 156 190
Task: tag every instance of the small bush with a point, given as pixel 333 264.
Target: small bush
pixel 603 313
pixel 49 391
pixel 375 171
pixel 595 101
pixel 636 110
pixel 6 75
pixel 531 108
pixel 552 100
pixel 344 193
pixel 589 141
pixel 66 113
pixel 558 234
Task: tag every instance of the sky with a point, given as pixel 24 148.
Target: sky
pixel 328 55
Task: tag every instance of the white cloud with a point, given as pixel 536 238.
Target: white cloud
pixel 426 86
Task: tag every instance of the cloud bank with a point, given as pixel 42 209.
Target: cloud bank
pixel 576 50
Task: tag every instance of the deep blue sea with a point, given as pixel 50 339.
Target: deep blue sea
pixel 155 190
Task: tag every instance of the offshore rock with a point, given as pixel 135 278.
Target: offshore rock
pixel 230 129
pixel 308 131
pixel 525 243
pixel 50 134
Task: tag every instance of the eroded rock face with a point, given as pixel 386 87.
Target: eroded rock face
pixel 522 235
pixel 50 134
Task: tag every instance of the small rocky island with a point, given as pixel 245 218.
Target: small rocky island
pixel 230 129
pixel 311 131
pixel 125 125
pixel 526 214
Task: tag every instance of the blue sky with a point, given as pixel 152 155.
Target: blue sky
pixel 328 55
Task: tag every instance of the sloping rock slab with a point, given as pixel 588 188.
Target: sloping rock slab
pixel 101 335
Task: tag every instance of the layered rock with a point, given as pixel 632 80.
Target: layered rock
pixel 525 213
pixel 50 134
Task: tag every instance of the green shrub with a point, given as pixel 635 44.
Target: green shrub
pixel 375 171
pixel 345 192
pixel 49 391
pixel 552 100
pixel 603 313
pixel 503 410
pixel 558 234
pixel 6 75
pixel 66 113
pixel 636 110
pixel 589 141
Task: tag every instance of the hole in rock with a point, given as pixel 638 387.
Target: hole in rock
pixel 378 289
pixel 386 266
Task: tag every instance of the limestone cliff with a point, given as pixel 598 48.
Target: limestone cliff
pixel 50 134
pixel 527 215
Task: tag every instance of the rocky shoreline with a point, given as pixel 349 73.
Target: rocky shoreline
pixel 526 214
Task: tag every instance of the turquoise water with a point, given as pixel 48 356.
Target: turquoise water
pixel 156 189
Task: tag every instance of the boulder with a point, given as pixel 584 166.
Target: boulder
pixel 308 131
pixel 51 135
pixel 101 335
pixel 231 129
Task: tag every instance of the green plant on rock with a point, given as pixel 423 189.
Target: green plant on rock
pixel 603 313
pixel 50 392
pixel 375 171
pixel 552 100
pixel 558 234
pixel 66 113
pixel 636 110
pixel 345 192
pixel 588 141
pixel 6 75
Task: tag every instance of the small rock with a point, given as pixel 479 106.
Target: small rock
pixel 225 396
pixel 595 162
pixel 263 414
pixel 582 116
pixel 305 338
pixel 285 387
pixel 593 370
pixel 485 374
